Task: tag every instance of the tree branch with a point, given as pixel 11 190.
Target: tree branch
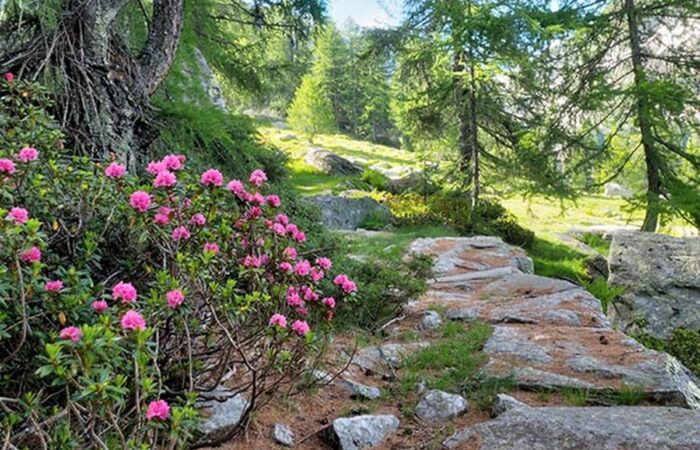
pixel 158 53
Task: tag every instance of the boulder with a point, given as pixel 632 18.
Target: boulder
pixel 361 391
pixel 330 163
pixel 597 267
pixel 221 411
pixel 347 213
pixel 439 406
pixel 590 428
pixel 430 321
pixel 661 277
pixel 411 181
pixel 617 190
pixel 355 433
pixel 283 435
pixel 378 358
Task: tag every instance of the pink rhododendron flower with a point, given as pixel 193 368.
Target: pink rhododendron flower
pixel 198 219
pixel 28 154
pixel 115 170
pixel 126 292
pixel 155 167
pixel 186 202
pixel 181 234
pixel 257 199
pixel 32 255
pixel 7 166
pixel 302 268
pixel 329 302
pixel 324 263
pixel 273 200
pixel 300 327
pixel 9 77
pixel 99 306
pixel 236 187
pixel 316 274
pixel 302 311
pixel 278 320
pixel 292 228
pixel 18 215
pixel 162 216
pixel 308 294
pixel 211 247
pixel 173 162
pixel 254 212
pixel 175 298
pixel 71 333
pixel 293 297
pixel 164 179
pixel 140 201
pixel 286 267
pixel 252 261
pixel 212 177
pixel 158 409
pixel 279 229
pixel 347 285
pixel 290 252
pixel 299 236
pixel 258 177
pixel 53 285
pixel 132 320
pixel 282 218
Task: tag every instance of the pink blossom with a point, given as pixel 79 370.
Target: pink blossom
pixel 236 187
pixel 278 320
pixel 180 234
pixel 164 179
pixel 340 279
pixel 254 212
pixel 28 154
pixel 53 286
pixel 71 333
pixel 300 327
pixel 252 261
pixel 115 170
pixel 329 302
pixel 9 77
pixel 158 409
pixel 302 268
pixel 173 162
pixel 99 306
pixel 18 215
pixel 273 200
pixel 198 219
pixel 349 287
pixel 309 294
pixel 279 229
pixel 290 253
pixel 175 298
pixel 155 167
pixel 186 202
pixel 302 311
pixel 162 216
pixel 286 267
pixel 7 166
pixel 316 274
pixel 258 177
pixel 257 199
pixel 212 177
pixel 140 201
pixel 292 228
pixel 126 292
pixel 324 263
pixel 32 255
pixel 299 236
pixel 132 320
pixel 282 218
pixel 293 297
pixel 211 247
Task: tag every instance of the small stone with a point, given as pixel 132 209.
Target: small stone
pixel 282 434
pixel 359 390
pixel 439 406
pixel 430 321
pixel 356 433
pixel 505 403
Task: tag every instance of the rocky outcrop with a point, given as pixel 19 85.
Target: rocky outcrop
pixel 590 428
pixel 330 163
pixel 210 84
pixel 661 277
pixel 356 433
pixel 439 406
pixel 347 213
pixel 221 412
pixel 361 391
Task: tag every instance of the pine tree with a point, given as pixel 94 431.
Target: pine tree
pixel 311 111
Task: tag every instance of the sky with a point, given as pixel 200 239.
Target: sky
pixel 366 13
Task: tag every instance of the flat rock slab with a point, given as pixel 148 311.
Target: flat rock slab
pixel 362 391
pixel 347 213
pixel 379 358
pixel 590 358
pixel 590 428
pixel 355 433
pixel 439 406
pixel 330 163
pixel 473 254
pixel 661 277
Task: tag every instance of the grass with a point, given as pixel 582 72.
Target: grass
pixel 596 242
pixel 391 244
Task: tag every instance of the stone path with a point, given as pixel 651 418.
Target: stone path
pixel 548 336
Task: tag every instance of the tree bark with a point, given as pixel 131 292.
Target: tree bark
pixel 651 155
pixel 158 53
pixel 463 124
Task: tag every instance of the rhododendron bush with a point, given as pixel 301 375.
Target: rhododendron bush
pixel 122 297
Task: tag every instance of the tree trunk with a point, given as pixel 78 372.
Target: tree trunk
pixel 462 107
pixel 476 182
pixel 651 155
